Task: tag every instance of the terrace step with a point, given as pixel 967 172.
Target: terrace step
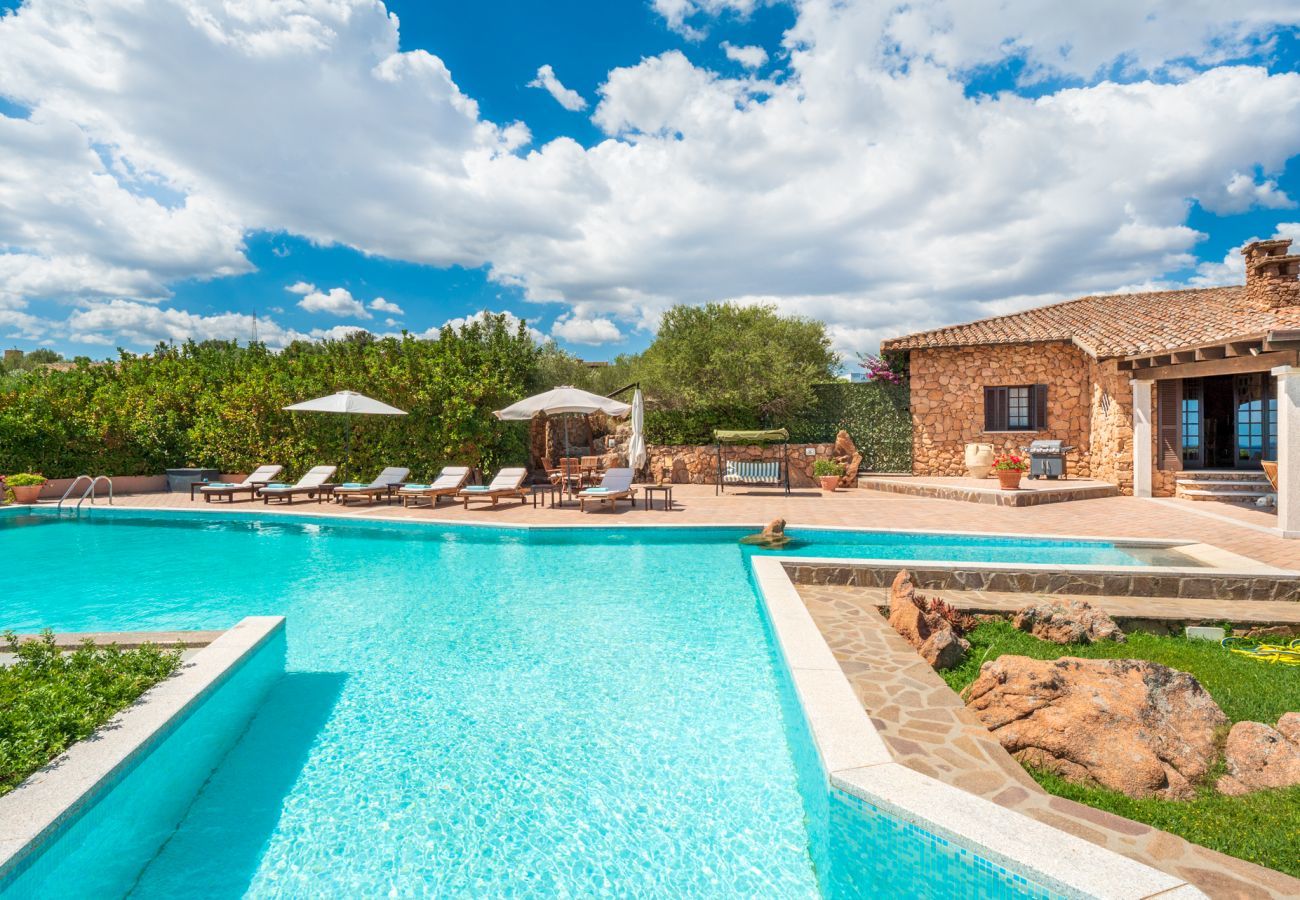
pixel 1229 496
pixel 1223 486
pixel 1221 475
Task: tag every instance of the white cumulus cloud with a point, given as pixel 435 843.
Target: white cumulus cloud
pixel 591 331
pixel 512 322
pixel 864 185
pixel 382 305
pixel 335 302
pixel 548 81
pixel 751 57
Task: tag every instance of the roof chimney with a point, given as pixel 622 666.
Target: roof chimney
pixel 1272 275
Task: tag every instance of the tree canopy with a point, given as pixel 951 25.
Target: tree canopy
pixel 727 356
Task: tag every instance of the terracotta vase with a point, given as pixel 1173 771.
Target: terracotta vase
pixel 26 493
pixel 829 482
pixel 1009 481
pixel 979 460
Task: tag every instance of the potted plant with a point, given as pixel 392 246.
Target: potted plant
pixel 26 486
pixel 1009 467
pixel 828 472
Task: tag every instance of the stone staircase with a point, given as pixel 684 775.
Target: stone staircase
pixel 1225 486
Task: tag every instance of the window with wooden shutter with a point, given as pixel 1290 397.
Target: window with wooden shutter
pixel 1017 407
pixel 1169 444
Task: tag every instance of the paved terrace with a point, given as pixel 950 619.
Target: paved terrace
pixel 1240 530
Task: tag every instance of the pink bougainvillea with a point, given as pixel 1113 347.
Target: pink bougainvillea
pixel 878 369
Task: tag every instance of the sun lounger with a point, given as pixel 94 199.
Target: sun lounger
pixel 448 483
pixel 383 486
pixel 312 484
pixel 262 477
pixel 508 483
pixel 615 486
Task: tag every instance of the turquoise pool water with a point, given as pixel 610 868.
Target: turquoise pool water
pixel 480 712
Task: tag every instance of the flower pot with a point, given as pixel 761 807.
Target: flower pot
pixel 829 482
pixel 1009 481
pixel 979 460
pixel 26 493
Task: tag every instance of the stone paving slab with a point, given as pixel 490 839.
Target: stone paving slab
pixel 975 490
pixel 928 729
pixel 1167 609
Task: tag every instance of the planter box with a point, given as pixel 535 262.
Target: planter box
pixel 179 480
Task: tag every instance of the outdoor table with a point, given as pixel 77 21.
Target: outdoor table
pixel 652 489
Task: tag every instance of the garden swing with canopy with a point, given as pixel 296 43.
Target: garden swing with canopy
pixel 750 472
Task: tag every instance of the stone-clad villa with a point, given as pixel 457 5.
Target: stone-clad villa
pixel 1160 393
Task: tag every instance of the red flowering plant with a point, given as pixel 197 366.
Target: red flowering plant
pixel 1010 462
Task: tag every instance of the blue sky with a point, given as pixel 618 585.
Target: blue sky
pixel 584 42
pixel 884 167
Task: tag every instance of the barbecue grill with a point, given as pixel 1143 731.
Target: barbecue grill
pixel 1047 458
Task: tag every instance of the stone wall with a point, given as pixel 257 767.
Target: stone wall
pixel 947 388
pixel 1111 440
pixel 698 464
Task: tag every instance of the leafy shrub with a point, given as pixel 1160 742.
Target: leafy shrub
pixel 695 426
pixel 825 467
pixel 24 479
pixel 49 700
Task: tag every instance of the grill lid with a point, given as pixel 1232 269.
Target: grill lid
pixel 1047 448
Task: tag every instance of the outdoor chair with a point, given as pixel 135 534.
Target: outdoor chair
pixel 508 483
pixel 615 486
pixel 569 475
pixel 383 486
pixel 448 483
pixel 589 467
pixel 313 484
pixel 249 485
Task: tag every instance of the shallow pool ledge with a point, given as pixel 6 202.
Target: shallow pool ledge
pixel 43 807
pixel 856 760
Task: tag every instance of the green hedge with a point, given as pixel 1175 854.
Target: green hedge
pixel 219 405
pixel 695 426
pixel 877 415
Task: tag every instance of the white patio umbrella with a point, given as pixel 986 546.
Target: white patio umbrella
pixel 636 454
pixel 559 400
pixel 349 403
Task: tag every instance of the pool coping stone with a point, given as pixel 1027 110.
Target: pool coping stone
pixel 855 759
pixel 34 812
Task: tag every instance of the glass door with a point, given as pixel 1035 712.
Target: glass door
pixel 1255 419
pixel 1192 425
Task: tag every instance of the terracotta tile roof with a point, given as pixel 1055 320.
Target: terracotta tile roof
pixel 1119 324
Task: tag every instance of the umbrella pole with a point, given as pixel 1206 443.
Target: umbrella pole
pixel 347 444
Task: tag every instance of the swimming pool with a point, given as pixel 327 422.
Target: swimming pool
pixel 478 711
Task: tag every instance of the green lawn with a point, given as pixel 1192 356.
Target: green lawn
pixel 1263 827
pixel 50 700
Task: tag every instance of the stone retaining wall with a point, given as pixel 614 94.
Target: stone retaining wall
pixel 1208 585
pixel 698 464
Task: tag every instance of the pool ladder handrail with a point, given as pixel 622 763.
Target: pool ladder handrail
pixel 88 492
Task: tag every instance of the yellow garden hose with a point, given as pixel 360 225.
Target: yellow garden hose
pixel 1286 654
